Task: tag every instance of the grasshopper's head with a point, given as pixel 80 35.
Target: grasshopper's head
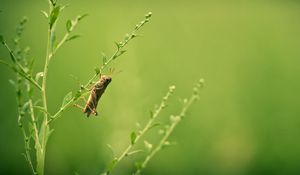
pixel 105 79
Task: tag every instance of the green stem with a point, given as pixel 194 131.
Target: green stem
pixel 167 134
pixel 22 70
pixel 147 127
pixel 44 125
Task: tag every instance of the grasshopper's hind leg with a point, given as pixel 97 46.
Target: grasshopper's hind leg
pixel 83 108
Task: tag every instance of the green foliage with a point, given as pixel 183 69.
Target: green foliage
pixel 133 137
pixel 67 99
pixel 53 16
pixel 36 128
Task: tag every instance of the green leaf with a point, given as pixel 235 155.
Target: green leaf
pixel 121 52
pixel 53 2
pixel 69 26
pixel 117 44
pixel 25 107
pixel 154 125
pixel 151 113
pixel 104 58
pixel 67 98
pixel 45 14
pixel 2 39
pixel 111 149
pixel 148 146
pixel 133 152
pixel 80 17
pixel 38 76
pixel 77 95
pixel 111 165
pixel 97 70
pixel 138 165
pixel 54 15
pixel 133 137
pixel 73 37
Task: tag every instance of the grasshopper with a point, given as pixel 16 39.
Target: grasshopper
pixel 96 92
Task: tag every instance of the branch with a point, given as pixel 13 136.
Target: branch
pixel 147 127
pixel 174 122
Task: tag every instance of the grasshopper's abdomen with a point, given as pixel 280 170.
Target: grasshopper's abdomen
pixel 96 93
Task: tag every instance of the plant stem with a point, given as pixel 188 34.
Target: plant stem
pixel 22 71
pixel 168 133
pixel 44 125
pixel 147 127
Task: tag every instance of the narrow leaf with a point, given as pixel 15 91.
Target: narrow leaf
pixel 42 109
pixel 148 146
pixel 121 52
pixel 69 26
pixel 45 13
pixel 54 15
pixel 132 137
pixel 117 44
pixel 111 165
pixel 97 70
pixel 134 152
pixel 111 149
pixel 73 37
pixel 82 16
pixel 67 98
pixel 38 76
pixel 25 107
pixel 154 125
pixel 77 95
pixel 104 58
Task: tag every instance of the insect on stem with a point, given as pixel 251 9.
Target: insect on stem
pixel 95 95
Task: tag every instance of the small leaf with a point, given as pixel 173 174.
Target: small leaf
pixel 132 137
pixel 138 165
pixel 151 113
pixel 45 13
pixel 161 132
pixel 117 44
pixel 69 26
pixel 25 107
pixel 54 15
pixel 38 76
pixel 80 17
pixel 12 82
pixel 133 152
pixel 154 125
pixel 42 109
pixel 174 119
pixel 53 2
pixel 104 58
pixel 111 165
pixel 121 53
pixel 111 149
pixel 73 37
pixel 77 95
pixel 2 39
pixel 126 36
pixel 67 98
pixel 138 125
pixel 50 132
pixel 148 146
pixel 97 70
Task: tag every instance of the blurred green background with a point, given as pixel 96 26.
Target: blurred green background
pixel 246 122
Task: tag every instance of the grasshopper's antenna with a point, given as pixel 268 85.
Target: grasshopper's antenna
pixel 112 71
